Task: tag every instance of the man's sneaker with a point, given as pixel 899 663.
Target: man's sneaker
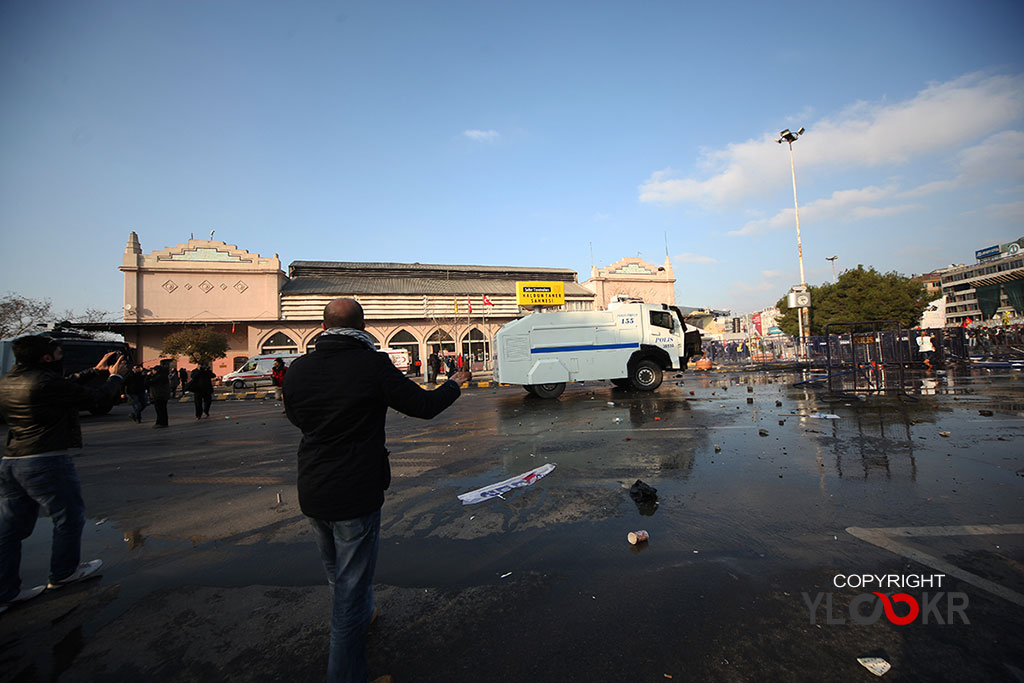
pixel 24 595
pixel 85 570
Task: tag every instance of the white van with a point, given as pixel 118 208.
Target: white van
pixel 400 357
pixel 256 371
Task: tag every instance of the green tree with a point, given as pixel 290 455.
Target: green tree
pixel 860 295
pixel 201 344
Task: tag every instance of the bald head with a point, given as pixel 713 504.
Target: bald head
pixel 344 313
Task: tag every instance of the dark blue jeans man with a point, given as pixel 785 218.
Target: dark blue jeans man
pixel 27 485
pixel 348 549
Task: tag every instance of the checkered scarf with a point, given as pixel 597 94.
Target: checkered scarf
pixel 361 335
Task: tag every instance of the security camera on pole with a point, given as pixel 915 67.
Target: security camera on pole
pixel 797 293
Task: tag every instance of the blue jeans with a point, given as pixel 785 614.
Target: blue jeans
pixel 27 485
pixel 138 403
pixel 349 552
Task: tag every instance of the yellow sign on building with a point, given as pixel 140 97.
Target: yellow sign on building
pixel 540 293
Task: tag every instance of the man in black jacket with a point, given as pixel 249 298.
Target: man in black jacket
pixel 433 366
pixel 339 396
pixel 41 408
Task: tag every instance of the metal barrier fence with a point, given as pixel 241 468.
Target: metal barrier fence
pixel 951 344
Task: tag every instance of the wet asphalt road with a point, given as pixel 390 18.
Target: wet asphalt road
pixel 208 577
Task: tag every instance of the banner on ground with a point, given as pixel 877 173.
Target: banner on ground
pixel 502 487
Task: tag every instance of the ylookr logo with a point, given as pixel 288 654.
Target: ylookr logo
pixel 899 608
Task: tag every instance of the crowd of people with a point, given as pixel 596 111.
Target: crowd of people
pixel 448 363
pixel 987 339
pixel 159 384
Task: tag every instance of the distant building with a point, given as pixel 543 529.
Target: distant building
pixel 932 281
pixel 632 277
pixel 994 285
pixel 713 324
pixel 260 309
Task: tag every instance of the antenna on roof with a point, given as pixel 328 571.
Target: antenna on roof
pixel 666 244
pixel 591 254
pixel 211 234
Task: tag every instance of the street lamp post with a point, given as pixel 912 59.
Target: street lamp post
pixel 833 260
pixel 790 137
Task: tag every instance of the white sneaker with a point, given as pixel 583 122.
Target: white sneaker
pixel 24 595
pixel 84 570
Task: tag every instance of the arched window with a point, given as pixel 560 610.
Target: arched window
pixel 279 342
pixel 403 339
pixel 476 345
pixel 441 341
pixel 311 344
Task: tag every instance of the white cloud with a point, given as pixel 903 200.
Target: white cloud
pixel 998 157
pixel 842 205
pixel 771 274
pixel 481 135
pixel 1012 211
pixel 693 258
pixel 939 119
pixel 601 217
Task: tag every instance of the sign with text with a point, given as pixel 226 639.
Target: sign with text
pixel 540 293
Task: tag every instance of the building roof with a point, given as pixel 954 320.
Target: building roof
pixel 431 286
pixel 330 269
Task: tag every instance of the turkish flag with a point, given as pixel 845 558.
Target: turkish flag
pixel 469 303
pixel 487 302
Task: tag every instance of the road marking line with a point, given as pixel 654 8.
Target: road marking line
pixel 668 429
pixel 884 538
pixel 245 481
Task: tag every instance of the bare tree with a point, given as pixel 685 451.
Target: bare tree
pixel 20 315
pixel 91 315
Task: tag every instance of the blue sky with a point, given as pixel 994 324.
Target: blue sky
pixel 509 133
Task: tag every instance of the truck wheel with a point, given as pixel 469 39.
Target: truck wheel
pixel 238 384
pixel 622 383
pixel 530 389
pixel 645 375
pixel 549 390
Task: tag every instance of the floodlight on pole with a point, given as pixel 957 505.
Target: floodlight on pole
pixel 789 138
pixel 833 260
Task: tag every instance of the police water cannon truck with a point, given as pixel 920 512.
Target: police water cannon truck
pixel 632 344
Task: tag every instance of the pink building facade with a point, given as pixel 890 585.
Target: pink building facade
pixel 261 309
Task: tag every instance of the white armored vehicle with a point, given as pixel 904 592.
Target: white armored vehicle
pixel 631 344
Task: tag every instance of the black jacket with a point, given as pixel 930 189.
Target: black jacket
pixel 41 408
pixel 202 381
pixel 339 397
pixel 158 384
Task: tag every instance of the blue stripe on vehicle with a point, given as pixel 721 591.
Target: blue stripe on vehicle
pixel 588 347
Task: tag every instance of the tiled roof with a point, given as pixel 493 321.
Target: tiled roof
pixel 300 269
pixel 369 284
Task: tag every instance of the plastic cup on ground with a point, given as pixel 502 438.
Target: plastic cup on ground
pixel 635 537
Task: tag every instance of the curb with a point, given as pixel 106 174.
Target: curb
pixel 271 395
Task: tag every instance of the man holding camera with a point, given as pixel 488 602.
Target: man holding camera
pixel 41 408
pixel 339 397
